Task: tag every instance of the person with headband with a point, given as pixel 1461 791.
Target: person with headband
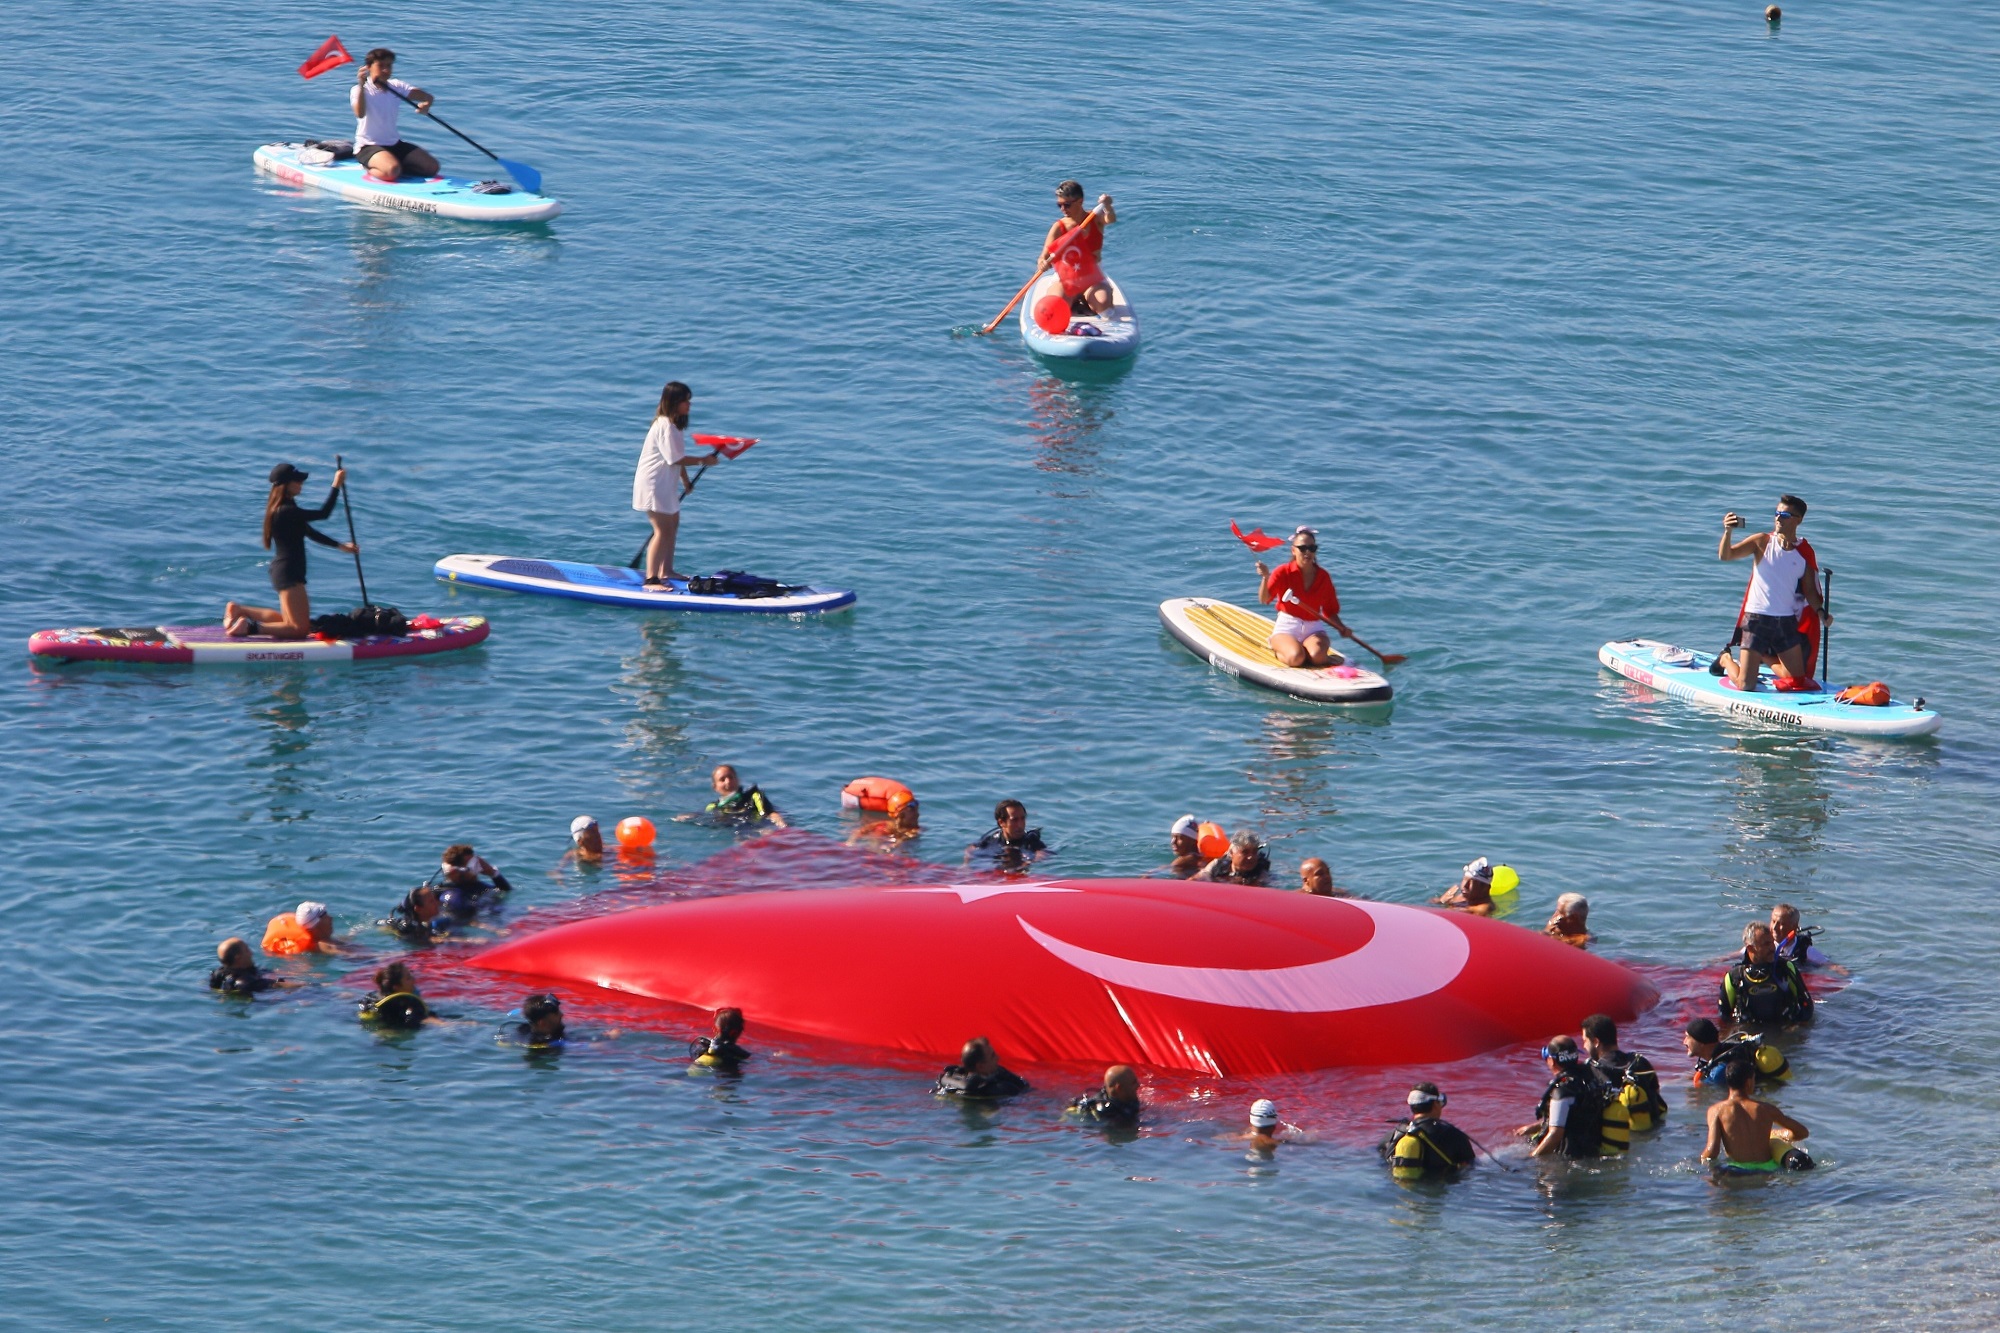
pixel 543 1029
pixel 467 882
pixel 1427 1144
pixel 1184 838
pixel 1306 602
pixel 1474 891
pixel 308 928
pixel 586 839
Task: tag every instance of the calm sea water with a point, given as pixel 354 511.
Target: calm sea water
pixel 1511 300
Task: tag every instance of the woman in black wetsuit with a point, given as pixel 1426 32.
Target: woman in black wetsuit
pixel 286 527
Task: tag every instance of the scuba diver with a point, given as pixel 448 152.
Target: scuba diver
pixel 1427 1144
pixel 1711 1054
pixel 394 1003
pixel 1474 891
pixel 467 882
pixel 978 1076
pixel 1795 945
pixel 736 804
pixel 1116 1103
pixel 1010 844
pixel 1631 1077
pixel 1578 1116
pixel 417 918
pixel 237 973
pixel 1749 1137
pixel 719 1052
pixel 1246 862
pixel 1761 987
pixel 543 1029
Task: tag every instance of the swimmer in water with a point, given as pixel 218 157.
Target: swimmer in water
pixel 237 972
pixel 416 918
pixel 1571 922
pixel 1474 891
pixel 1010 844
pixel 1746 1135
pixel 1116 1103
pixel 586 840
pixel 978 1076
pixel 1246 862
pixel 544 1025
pixel 1267 1129
pixel 720 1052
pixel 1317 879
pixel 734 803
pixel 467 882
pixel 394 1003
pixel 901 825
pixel 1185 840
pixel 307 928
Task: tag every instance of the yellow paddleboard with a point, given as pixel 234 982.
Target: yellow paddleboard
pixel 1237 641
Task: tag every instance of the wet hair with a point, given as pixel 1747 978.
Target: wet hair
pixel 271 503
pixel 977 1051
pixel 1006 807
pixel 1753 930
pixel 379 53
pixel 1570 902
pixel 730 769
pixel 1703 1029
pixel 1741 1075
pixel 729 1023
pixel 1244 838
pixel 1070 190
pixel 671 398
pixel 393 979
pixel 1793 503
pixel 539 1006
pixel 458 854
pixel 1785 910
pixel 1599 1027
pixel 423 889
pixel 234 947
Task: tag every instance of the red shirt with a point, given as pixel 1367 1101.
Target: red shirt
pixel 1320 602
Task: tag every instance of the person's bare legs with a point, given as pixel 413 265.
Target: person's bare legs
pixel 238 619
pixel 1748 662
pixel 1099 297
pixel 383 166
pixel 292 619
pixel 660 551
pixel 1319 651
pixel 420 162
pixel 1288 649
pixel 1793 661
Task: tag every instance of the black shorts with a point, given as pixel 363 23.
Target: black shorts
pixel 1771 636
pixel 364 153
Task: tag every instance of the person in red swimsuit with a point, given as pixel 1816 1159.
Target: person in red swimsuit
pixel 1083 281
pixel 1307 604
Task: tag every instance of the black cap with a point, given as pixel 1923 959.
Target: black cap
pixel 1703 1029
pixel 285 472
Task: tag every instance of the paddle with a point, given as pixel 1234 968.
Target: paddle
pixel 352 540
pixel 1032 278
pixel 1260 541
pixel 729 446
pixel 1825 620
pixel 524 175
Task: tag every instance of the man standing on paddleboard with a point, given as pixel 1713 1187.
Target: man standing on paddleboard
pixel 1307 604
pixel 1074 245
pixel 382 152
pixel 1781 585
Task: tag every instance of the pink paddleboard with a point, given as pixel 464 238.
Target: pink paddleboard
pixel 190 645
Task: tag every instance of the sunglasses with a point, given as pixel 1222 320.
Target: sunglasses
pixel 1784 513
pixel 1309 550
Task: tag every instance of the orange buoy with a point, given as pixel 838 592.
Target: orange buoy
pixel 1052 314
pixel 635 832
pixel 883 796
pixel 1213 840
pixel 284 937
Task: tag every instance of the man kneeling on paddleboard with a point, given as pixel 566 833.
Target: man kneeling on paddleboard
pixel 382 152
pixel 1782 584
pixel 1307 604
pixel 1074 244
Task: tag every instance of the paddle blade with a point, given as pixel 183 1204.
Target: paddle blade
pixel 1256 539
pixel 331 55
pixel 729 446
pixel 524 176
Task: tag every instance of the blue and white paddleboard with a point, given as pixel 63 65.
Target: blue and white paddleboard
pixel 615 585
pixel 1106 337
pixel 445 196
pixel 1683 673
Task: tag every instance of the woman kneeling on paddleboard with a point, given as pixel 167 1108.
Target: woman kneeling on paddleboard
pixel 286 527
pixel 661 481
pixel 1307 604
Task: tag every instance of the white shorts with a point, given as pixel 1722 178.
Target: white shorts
pixel 1301 629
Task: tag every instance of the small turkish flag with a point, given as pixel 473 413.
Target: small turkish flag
pixel 331 55
pixel 729 446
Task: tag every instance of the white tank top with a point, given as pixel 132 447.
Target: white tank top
pixel 1774 582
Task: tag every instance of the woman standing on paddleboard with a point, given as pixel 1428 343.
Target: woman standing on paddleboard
pixel 661 481
pixel 1307 604
pixel 286 527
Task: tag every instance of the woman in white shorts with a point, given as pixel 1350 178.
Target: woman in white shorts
pixel 662 479
pixel 1307 605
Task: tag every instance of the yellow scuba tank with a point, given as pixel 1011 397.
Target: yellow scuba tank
pixel 1406 1156
pixel 1638 1108
pixel 1615 1131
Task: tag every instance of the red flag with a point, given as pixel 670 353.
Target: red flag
pixel 1256 539
pixel 729 446
pixel 1075 255
pixel 331 55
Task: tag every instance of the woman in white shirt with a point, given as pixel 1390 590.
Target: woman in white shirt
pixel 662 479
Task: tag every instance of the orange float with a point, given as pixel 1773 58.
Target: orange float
pixel 882 796
pixel 1213 840
pixel 635 833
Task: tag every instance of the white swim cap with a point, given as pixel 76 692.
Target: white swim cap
pixel 1480 869
pixel 311 914
pixel 579 824
pixel 1263 1113
pixel 1185 827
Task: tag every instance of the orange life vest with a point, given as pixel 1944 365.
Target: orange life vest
pixel 883 796
pixel 285 937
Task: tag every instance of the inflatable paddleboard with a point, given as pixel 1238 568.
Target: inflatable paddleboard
pixel 1105 337
pixel 204 645
pixel 1237 641
pixel 615 585
pixel 1683 673
pixel 445 196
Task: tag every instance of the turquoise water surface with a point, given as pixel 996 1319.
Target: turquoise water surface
pixel 1513 301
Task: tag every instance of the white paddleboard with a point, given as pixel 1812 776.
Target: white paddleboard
pixel 615 585
pixel 1232 639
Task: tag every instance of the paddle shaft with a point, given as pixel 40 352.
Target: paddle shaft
pixel 352 540
pixel 639 561
pixel 1825 619
pixel 1029 283
pixel 423 111
pixel 1387 658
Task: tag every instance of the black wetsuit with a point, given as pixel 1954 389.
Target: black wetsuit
pixel 239 980
pixel 1441 1148
pixel 721 1053
pixel 290 526
pixel 993 843
pixel 404 1009
pixel 958 1081
pixel 1219 870
pixel 405 922
pixel 1100 1107
pixel 1771 992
